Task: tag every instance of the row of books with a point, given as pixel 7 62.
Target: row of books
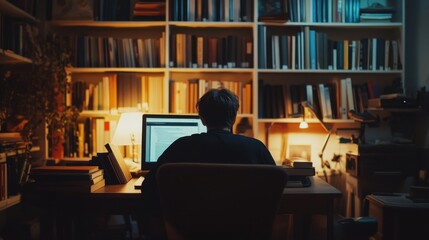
pixel 329 100
pixel 12 36
pixel 105 168
pixel 335 11
pixel 365 54
pixel 3 177
pixel 13 174
pixel 88 137
pixel 14 163
pixel 211 10
pixel 198 51
pixel 132 10
pixel 91 51
pixel 119 92
pixel 183 95
pixel 314 50
pixel 326 11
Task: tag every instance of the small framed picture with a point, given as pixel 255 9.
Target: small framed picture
pixel 72 10
pixel 300 152
pixel 273 10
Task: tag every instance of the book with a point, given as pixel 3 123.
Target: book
pixel 272 11
pixel 302 164
pixel 78 188
pixel 54 176
pixel 103 162
pixel 60 169
pixel 116 159
pixel 49 180
pixel 302 172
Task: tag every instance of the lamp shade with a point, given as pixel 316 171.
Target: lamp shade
pixel 129 128
pixel 303 124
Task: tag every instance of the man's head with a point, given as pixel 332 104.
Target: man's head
pixel 218 108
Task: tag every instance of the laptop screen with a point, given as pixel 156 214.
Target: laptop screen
pixel 160 130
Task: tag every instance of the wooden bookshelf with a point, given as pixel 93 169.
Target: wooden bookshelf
pixel 8 57
pixel 187 21
pixel 11 10
pixel 12 147
pixel 10 201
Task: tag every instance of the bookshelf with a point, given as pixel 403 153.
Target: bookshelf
pixel 11 50
pixel 266 62
pixel 14 153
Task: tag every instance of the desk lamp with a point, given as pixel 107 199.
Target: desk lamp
pixel 303 124
pixel 129 132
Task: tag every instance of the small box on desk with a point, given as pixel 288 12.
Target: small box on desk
pixel 392 102
pixel 298 177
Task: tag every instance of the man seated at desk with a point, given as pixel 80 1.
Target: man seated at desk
pixel 218 111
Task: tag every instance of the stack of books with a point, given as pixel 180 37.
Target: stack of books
pixel 376 13
pixel 75 179
pixel 149 11
pixel 298 174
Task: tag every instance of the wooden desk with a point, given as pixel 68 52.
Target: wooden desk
pixel 316 199
pixel 399 217
pixel 124 199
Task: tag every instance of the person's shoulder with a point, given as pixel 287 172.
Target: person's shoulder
pixel 248 139
pixel 191 137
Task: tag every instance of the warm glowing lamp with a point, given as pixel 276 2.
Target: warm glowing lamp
pixel 129 132
pixel 304 124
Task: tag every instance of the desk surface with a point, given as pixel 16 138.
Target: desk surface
pixel 318 187
pixel 315 199
pixel 396 201
pixel 399 217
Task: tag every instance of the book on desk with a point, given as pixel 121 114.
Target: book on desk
pixel 76 179
pixel 298 173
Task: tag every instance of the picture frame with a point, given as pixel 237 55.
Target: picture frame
pixel 299 152
pixel 273 11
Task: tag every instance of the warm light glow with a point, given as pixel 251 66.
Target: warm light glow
pixel 129 131
pixel 129 126
pixel 303 124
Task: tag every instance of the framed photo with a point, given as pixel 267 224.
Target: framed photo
pixel 273 10
pixel 300 152
pixel 72 10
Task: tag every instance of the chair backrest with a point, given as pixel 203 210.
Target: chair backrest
pixel 219 201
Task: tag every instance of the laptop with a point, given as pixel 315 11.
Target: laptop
pixel 160 130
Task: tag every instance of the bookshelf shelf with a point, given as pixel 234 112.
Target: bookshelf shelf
pixel 115 70
pixel 8 57
pixel 325 71
pixel 9 202
pixel 212 70
pixel 375 25
pixel 106 24
pixel 175 66
pixel 396 110
pixel 11 10
pixel 298 120
pixel 212 24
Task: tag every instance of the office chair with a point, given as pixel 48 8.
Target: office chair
pixel 219 201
